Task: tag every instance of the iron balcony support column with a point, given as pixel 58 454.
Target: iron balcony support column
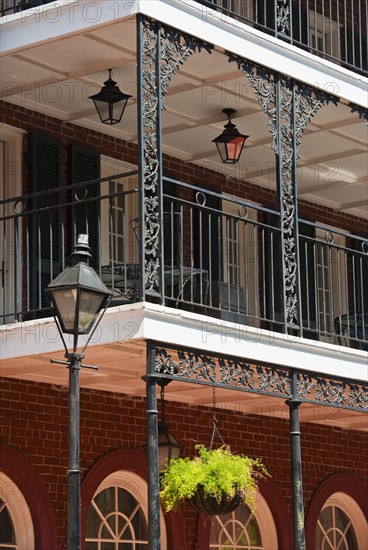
pixel 150 156
pixel 296 468
pixel 161 50
pixel 74 474
pixel 154 535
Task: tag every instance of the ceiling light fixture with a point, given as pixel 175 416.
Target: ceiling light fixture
pixel 110 102
pixel 231 142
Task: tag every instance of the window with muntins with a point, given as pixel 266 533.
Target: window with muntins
pixel 116 521
pixel 7 532
pixel 237 530
pixel 335 530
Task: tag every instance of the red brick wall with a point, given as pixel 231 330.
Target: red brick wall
pixel 34 422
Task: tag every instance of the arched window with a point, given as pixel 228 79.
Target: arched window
pixel 240 530
pixel 117 515
pixel 7 531
pixel 341 524
pixel 16 528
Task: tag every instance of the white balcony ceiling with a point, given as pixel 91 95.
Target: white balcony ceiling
pixel 57 77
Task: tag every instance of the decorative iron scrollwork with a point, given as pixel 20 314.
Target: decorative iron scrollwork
pixel 274 380
pixel 330 391
pixel 305 385
pixel 362 111
pixel 163 50
pixel 238 374
pixel 197 365
pixel 358 397
pixel 283 17
pixel 289 106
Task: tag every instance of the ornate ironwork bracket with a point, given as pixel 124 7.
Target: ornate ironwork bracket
pixel 362 111
pixel 289 106
pixel 161 51
pixel 241 375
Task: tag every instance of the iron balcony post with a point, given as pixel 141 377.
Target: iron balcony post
pixel 154 535
pixel 296 469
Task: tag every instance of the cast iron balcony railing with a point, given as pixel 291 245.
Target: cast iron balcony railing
pixel 7 7
pixel 220 257
pixel 336 30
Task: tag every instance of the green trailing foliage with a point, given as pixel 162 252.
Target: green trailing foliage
pixel 216 472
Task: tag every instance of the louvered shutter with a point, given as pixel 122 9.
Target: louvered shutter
pixel 299 22
pixel 170 224
pixel 208 237
pixel 84 166
pixel 44 226
pixel 273 273
pixel 265 16
pixel 308 277
pixel 356 50
pixel 360 273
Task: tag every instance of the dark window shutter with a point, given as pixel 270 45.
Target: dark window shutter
pixel 265 16
pixel 45 162
pixel 356 45
pixel 299 21
pixel 208 237
pixel 84 166
pixel 273 272
pixel 360 271
pixel 308 278
pixel 170 224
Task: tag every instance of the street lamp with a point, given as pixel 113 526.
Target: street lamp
pixel 78 299
pixel 231 142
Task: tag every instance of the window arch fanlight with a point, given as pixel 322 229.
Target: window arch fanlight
pixel 239 530
pixel 122 474
pixel 16 527
pixel 118 513
pixel 338 514
pixel 26 502
pixel 341 524
pixel 272 519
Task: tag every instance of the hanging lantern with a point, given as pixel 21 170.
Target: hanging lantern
pixel 231 142
pixel 110 102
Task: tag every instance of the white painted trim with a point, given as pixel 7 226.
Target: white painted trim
pixel 182 328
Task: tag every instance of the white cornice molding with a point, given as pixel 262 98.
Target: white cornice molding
pixel 186 329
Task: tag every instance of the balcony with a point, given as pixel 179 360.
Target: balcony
pixel 336 31
pixel 220 257
pixel 7 7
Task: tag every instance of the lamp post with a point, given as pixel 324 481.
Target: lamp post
pixel 77 296
pixel 231 142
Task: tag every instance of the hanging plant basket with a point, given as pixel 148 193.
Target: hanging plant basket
pixel 211 506
pixel 214 482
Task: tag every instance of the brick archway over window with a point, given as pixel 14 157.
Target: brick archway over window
pixel 23 474
pixel 130 461
pixel 336 483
